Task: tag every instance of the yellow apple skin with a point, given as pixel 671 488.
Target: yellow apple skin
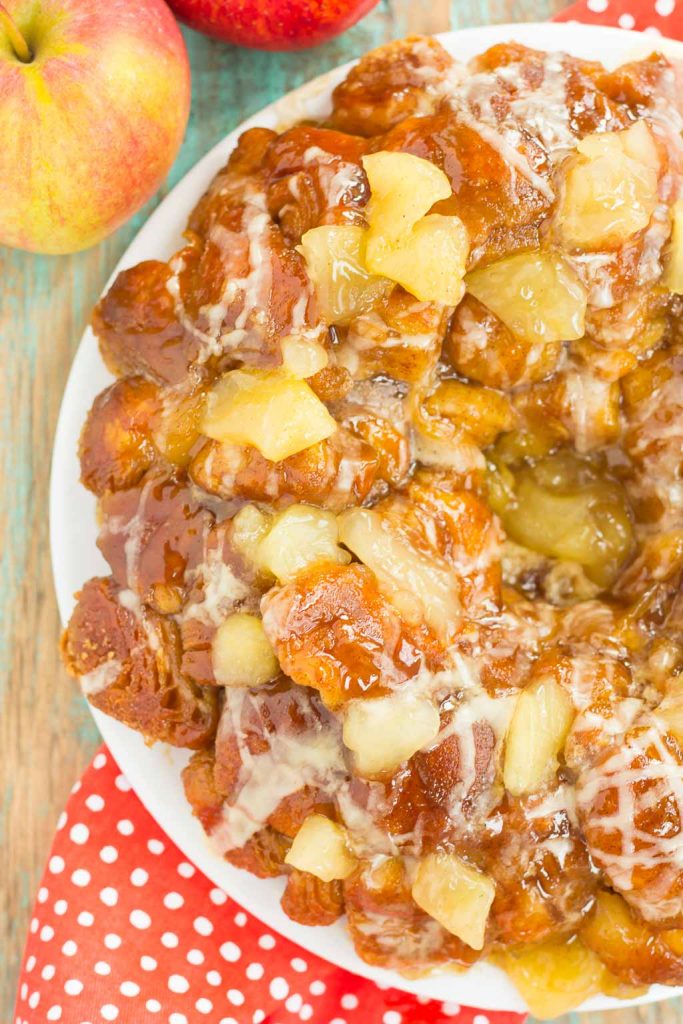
pixel 91 126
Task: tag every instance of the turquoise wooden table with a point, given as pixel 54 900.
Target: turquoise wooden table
pixel 47 735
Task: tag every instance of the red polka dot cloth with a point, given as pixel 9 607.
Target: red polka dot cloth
pixel 125 929
pixel 657 17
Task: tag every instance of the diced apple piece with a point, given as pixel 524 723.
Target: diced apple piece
pixel 335 257
pixel 242 654
pixel 419 585
pixel 554 977
pixel 673 271
pixel 270 410
pixel 383 732
pixel 540 722
pixel 403 188
pixel 536 294
pixel 610 189
pixel 299 537
pixel 456 895
pixel 249 527
pixel 302 357
pixel 320 848
pixel 429 262
pixel 179 428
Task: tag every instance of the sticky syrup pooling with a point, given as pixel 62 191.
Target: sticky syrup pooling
pixel 390 488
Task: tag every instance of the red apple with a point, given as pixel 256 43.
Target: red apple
pixel 272 24
pixel 94 99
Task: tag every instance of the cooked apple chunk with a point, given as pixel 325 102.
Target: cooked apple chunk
pixel 419 585
pixel 385 731
pixel 320 848
pixel 610 189
pixel 424 254
pixel 540 722
pixel 300 537
pixel 456 895
pixel 241 652
pixel 536 295
pixel 302 357
pixel 271 410
pixel 249 527
pixel 555 976
pixel 673 271
pixel 403 188
pixel 335 257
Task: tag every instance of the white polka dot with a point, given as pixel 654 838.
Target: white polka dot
pixel 99 761
pixel 316 988
pixel 204 1005
pixel 30 964
pixel 109 896
pixel 450 1009
pixel 202 925
pixel 148 963
pixel 155 846
pixel 79 833
pixel 240 919
pixel 231 1020
pixel 122 783
pixel 235 997
pixel 665 7
pixel 69 948
pixel 195 956
pixel 125 827
pixel 42 894
pixel 102 967
pixel 258 1017
pixel 299 965
pixel 56 865
pixel 597 6
pixel 23 991
pixel 62 819
pixel 391 1017
pixel 278 988
pixel 109 854
pixel 349 1002
pixel 80 877
pixel 34 999
pixel 626 21
pixel 337 1020
pixel 213 978
pixel 480 1018
pixel 109 1011
pixel 54 1013
pixel 139 877
pixel 218 897
pixel 33 926
pixel 177 983
pixel 293 1003
pixel 306 1012
pixel 177 1018
pixel 85 918
pixel 47 932
pixel 60 907
pixel 48 972
pixel 266 942
pixel 173 900
pixel 140 918
pixel 94 802
pixel 153 1005
pixel 231 952
pixel 254 972
pixel 112 941
pixel 73 987
pixel 185 870
pixel 170 940
pixel 129 988
pixel 76 786
pixel 651 31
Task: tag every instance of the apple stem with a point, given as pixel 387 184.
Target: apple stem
pixel 17 41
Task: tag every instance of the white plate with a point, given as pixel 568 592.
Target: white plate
pixel 154 772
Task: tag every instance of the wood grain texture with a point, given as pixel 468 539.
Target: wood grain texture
pixel 46 733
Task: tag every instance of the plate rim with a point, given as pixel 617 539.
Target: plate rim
pixel 118 737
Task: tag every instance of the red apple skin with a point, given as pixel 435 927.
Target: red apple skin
pixel 272 24
pixel 92 125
